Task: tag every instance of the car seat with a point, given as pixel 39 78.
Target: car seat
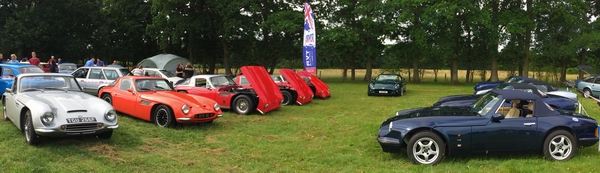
pixel 530 106
pixel 514 112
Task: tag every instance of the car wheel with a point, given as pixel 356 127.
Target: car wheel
pixel 163 116
pixel 559 145
pixel 107 98
pixel 401 92
pixel 287 97
pixel 243 104
pixel 183 91
pixel 587 93
pixel 4 112
pixel 426 148
pixel 30 136
pixel 105 135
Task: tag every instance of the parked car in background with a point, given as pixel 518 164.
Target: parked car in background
pixel 387 85
pixel 94 78
pixel 489 85
pixel 154 99
pixel 67 68
pixel 10 71
pixel 161 73
pixel 589 85
pixel 229 95
pixel 318 87
pixel 291 85
pixel 53 104
pixel 490 125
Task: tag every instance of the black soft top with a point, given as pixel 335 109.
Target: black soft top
pixel 538 82
pixel 541 109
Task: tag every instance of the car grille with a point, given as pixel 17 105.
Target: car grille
pixel 81 127
pixel 204 115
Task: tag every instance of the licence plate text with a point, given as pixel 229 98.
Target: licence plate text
pixel 382 91
pixel 81 120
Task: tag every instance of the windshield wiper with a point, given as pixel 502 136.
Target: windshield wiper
pixel 54 88
pixel 145 89
pixel 31 89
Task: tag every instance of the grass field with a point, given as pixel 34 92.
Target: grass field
pixel 333 135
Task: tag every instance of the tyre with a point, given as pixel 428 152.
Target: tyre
pixel 30 136
pixel 107 97
pixel 105 135
pixel 559 145
pixel 587 93
pixel 426 148
pixel 163 116
pixel 401 92
pixel 288 97
pixel 313 89
pixel 243 104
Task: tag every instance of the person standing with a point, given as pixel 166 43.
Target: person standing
pixel 90 62
pixel 13 59
pixel 188 72
pixel 59 61
pixel 100 63
pixel 114 62
pixel 53 65
pixel 1 60
pixel 179 70
pixel 34 60
pixel 138 71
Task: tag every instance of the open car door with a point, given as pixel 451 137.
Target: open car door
pixel 269 95
pixel 304 93
pixel 321 89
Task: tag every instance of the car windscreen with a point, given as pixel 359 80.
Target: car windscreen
pixel 483 105
pixel 218 81
pixel 30 69
pixel 37 83
pixel 167 73
pixel 387 77
pixel 125 72
pixel 152 85
pixel 67 67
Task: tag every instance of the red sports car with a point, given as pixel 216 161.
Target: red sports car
pixel 153 99
pixel 319 88
pixel 291 85
pixel 229 95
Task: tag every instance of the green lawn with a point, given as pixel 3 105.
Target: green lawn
pixel 333 135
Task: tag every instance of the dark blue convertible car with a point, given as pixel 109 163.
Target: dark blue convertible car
pixel 488 126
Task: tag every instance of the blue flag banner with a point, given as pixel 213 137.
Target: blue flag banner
pixel 309 47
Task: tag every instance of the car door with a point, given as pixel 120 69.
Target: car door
pixel 7 78
pixel 595 87
pixel 95 79
pixel 81 76
pixel 10 104
pixel 509 134
pixel 124 100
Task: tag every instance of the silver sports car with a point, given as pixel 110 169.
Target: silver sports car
pixel 53 104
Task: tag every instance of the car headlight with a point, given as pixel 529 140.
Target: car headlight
pixel 47 118
pixel 110 115
pixel 217 107
pixel 185 109
pixel 397 86
pixel 371 86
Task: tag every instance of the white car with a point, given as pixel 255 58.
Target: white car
pixel 53 104
pixel 161 73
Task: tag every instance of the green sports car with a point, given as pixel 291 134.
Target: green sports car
pixel 387 84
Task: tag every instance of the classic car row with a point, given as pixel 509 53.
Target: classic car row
pixel 522 115
pixel 53 104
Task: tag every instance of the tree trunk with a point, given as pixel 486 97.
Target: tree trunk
pixel 344 71
pixel 369 69
pixel 563 72
pixel 454 73
pixel 494 76
pixel 528 29
pixel 468 76
pixel 226 55
pixel 582 55
pixel 416 78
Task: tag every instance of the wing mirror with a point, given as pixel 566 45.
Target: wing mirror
pixel 8 90
pixel 497 117
pixel 130 90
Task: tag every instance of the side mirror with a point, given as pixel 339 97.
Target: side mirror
pixel 373 79
pixel 497 117
pixel 129 90
pixel 8 90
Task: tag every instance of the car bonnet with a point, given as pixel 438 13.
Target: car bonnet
pixel 296 82
pixel 268 92
pixel 322 88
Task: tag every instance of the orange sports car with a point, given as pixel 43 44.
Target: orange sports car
pixel 154 99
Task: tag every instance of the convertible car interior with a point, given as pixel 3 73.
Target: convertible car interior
pixel 517 108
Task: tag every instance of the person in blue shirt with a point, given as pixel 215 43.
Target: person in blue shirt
pixel 59 61
pixel 13 59
pixel 100 63
pixel 90 62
